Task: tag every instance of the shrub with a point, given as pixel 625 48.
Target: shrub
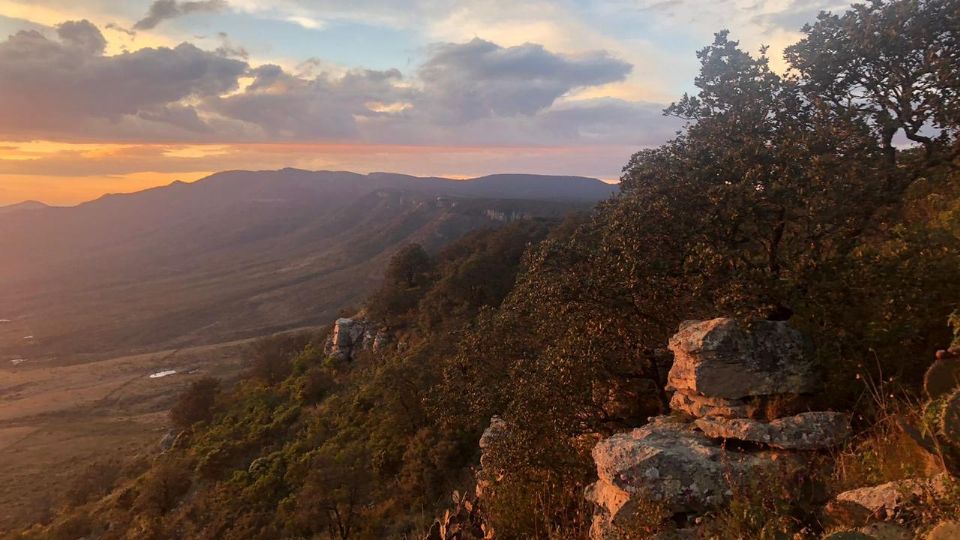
pixel 196 403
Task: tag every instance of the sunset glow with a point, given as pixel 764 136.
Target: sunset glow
pixel 118 96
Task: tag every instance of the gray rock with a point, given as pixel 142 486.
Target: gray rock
pixel 348 337
pixel 703 406
pixel 805 431
pixel 489 474
pixel 166 442
pixel 727 359
pixel 886 501
pixel 665 463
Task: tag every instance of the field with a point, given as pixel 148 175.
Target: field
pixel 57 418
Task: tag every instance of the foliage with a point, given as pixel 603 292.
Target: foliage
pixel 407 277
pixel 272 356
pixel 784 197
pixel 196 404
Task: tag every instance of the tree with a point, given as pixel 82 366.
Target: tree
pixel 407 277
pixel 273 357
pixel 893 63
pixel 196 404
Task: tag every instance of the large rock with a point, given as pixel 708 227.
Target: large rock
pixel 726 359
pixel 668 464
pixel 489 474
pixel 703 406
pixel 350 336
pixel 805 431
pixel 884 501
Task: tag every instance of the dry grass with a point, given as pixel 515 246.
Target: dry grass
pixel 56 420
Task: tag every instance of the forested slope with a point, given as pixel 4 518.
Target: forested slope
pixel 830 197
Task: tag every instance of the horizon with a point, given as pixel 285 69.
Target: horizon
pixel 418 88
pixel 134 191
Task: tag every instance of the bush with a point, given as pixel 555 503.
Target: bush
pixel 96 480
pixel 196 404
pixel 273 357
pixel 162 488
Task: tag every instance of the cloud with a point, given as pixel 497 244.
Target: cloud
pixel 68 88
pixel 796 14
pixel 481 79
pixel 282 106
pixel 162 10
pixel 472 93
pixel 82 36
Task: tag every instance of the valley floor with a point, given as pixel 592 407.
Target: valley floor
pixel 56 420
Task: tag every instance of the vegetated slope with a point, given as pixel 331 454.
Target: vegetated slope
pixel 338 445
pixel 238 253
pixel 778 200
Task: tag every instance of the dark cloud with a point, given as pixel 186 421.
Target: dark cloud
pixel 162 10
pixel 82 36
pixel 57 87
pixel 288 107
pixel 480 79
pixel 118 28
pixel 472 93
pixel 228 49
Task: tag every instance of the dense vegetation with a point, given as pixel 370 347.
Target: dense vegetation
pixel 830 195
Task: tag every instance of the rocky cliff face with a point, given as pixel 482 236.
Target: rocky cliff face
pixel 724 373
pixel 352 335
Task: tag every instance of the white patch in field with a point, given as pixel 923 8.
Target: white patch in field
pixel 161 374
pixel 18 361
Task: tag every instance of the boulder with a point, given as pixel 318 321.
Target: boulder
pixel 489 474
pixel 703 406
pixel 669 464
pixel 805 431
pixel 724 358
pixel 166 442
pixel 496 430
pixel 350 336
pixel 884 501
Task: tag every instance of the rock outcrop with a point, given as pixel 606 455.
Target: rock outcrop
pixel 352 335
pixel 805 431
pixel 729 359
pixel 885 501
pixel 489 474
pixel 724 373
pixel 666 463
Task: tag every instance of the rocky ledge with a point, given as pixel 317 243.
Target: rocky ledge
pixel 352 335
pixel 726 374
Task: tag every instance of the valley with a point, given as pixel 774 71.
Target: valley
pixel 57 421
pixel 236 255
pixel 110 309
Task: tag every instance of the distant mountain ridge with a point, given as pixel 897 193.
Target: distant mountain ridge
pixel 23 206
pixel 238 253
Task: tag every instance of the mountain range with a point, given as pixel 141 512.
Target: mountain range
pixel 236 254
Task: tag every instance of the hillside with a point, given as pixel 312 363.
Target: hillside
pixel 236 254
pixel 758 337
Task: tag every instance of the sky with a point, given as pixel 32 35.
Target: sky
pixel 107 96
